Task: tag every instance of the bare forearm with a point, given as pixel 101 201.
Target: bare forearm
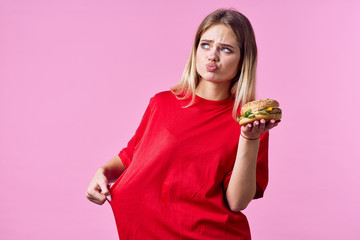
pixel 113 168
pixel 242 184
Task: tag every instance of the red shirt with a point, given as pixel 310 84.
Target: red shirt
pixel 178 166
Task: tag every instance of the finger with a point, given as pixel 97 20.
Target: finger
pixel 94 200
pixel 97 201
pixel 96 197
pixel 246 128
pixel 104 188
pixel 262 125
pixel 270 125
pixel 255 127
pixel 276 124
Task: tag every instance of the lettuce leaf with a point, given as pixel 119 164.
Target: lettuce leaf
pixel 247 113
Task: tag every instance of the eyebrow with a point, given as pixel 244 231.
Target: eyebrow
pixel 221 44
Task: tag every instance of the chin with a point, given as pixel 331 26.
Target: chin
pixel 216 80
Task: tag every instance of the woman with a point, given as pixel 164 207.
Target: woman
pixel 190 169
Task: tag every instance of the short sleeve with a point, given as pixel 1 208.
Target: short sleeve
pixel 262 170
pixel 127 153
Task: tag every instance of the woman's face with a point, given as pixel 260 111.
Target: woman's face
pixel 218 54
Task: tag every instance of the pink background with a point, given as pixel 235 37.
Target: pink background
pixel 76 77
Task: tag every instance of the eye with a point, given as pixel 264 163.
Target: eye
pixel 226 50
pixel 205 45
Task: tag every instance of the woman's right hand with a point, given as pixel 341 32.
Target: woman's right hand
pixel 98 189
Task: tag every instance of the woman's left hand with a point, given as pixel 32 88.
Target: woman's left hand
pixel 255 129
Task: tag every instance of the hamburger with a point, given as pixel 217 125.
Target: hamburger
pixel 259 109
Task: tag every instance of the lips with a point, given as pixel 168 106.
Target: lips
pixel 211 67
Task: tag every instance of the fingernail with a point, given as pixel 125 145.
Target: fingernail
pixel 109 198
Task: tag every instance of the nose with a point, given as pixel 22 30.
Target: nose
pixel 213 55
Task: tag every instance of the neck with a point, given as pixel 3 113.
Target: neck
pixel 213 91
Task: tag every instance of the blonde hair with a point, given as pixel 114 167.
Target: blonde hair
pixel 243 85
